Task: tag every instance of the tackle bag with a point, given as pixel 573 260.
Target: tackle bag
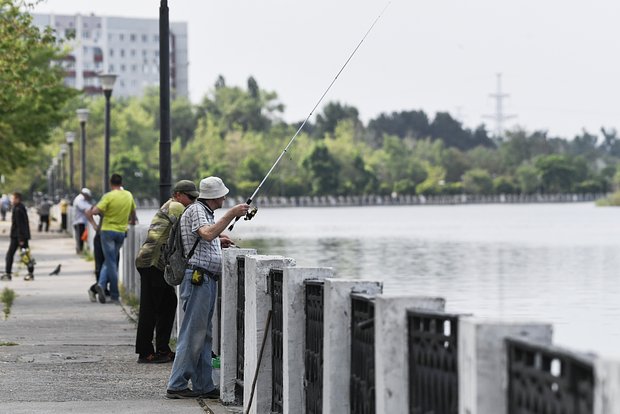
pixel 174 258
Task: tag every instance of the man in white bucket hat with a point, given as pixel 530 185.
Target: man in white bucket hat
pixel 198 290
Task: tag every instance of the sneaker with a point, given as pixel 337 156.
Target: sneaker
pixel 6 276
pixel 29 276
pixel 92 296
pixel 181 394
pixel 100 294
pixel 154 359
pixel 211 395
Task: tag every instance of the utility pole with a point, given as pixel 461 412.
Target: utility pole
pixel 165 158
pixel 499 117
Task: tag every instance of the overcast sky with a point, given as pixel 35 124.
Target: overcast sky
pixel 559 59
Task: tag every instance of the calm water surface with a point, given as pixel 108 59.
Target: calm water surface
pixel 554 263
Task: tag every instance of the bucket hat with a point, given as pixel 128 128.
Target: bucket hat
pixel 212 188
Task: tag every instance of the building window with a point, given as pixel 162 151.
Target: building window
pixel 155 38
pixel 145 38
pixel 121 37
pixel 144 52
pixel 111 52
pixel 122 68
pixel 132 37
pixel 122 52
pixel 85 34
pixel 134 68
pixel 133 52
pixel 111 68
pixel 122 82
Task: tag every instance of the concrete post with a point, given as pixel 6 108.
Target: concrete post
pixel 257 306
pixel 606 386
pixel 392 349
pixel 337 340
pixel 294 317
pixel 228 346
pixel 482 361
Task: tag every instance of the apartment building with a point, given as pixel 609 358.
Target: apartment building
pixel 127 47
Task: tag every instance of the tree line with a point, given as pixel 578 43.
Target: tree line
pixel 237 132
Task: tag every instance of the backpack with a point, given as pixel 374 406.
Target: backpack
pixel 174 258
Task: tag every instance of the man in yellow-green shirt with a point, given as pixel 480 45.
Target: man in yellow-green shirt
pixel 117 208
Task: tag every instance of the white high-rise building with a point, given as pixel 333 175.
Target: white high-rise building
pixel 127 47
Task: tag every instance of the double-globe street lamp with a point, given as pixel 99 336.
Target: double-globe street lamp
pixel 82 115
pixel 70 136
pixel 107 83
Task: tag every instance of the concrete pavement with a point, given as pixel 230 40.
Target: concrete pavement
pixel 72 355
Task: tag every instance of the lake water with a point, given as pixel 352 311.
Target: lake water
pixel 556 263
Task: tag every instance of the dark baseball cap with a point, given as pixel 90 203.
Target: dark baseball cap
pixel 187 187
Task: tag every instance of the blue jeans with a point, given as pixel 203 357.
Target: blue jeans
pixel 111 243
pixel 193 353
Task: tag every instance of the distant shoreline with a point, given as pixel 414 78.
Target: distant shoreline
pixel 401 200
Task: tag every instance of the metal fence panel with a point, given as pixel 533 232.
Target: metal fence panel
pixel 433 362
pixel 362 393
pixel 240 327
pixel 277 356
pixel 548 380
pixel 313 352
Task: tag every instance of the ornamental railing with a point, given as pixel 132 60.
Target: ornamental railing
pixel 240 327
pixel 277 357
pixel 546 380
pixel 433 362
pixel 362 384
pixel 313 351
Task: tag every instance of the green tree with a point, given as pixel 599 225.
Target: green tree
pixel 528 178
pixel 333 113
pixel 558 173
pixel 33 93
pixel 324 170
pixel 477 181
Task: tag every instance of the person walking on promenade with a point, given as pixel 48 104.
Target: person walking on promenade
pixel 20 234
pixel 199 290
pixel 64 207
pixel 5 205
pixel 117 208
pixel 81 203
pixel 43 209
pixel 158 300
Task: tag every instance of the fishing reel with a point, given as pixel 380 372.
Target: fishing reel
pixel 251 213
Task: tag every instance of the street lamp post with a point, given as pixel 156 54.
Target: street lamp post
pixel 70 136
pixel 82 115
pixel 63 168
pixel 107 83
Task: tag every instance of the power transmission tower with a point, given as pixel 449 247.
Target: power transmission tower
pixel 500 117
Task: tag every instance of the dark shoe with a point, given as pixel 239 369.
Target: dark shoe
pixel 168 354
pixel 29 276
pixel 153 359
pixel 100 294
pixel 181 394
pixel 6 276
pixel 212 395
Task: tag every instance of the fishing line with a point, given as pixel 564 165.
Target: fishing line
pixel 252 212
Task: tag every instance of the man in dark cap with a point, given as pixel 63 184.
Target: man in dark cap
pixel 158 300
pixel 20 234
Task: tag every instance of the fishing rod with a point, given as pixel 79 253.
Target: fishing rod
pixel 252 212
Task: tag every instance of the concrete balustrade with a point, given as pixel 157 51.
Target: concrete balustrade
pixel 293 296
pixel 482 356
pixel 483 361
pixel 337 339
pixel 392 349
pixel 257 307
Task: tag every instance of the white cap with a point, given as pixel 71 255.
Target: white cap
pixel 212 188
pixel 86 191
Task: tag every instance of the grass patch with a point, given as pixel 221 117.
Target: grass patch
pixel 132 302
pixel 7 297
pixel 8 344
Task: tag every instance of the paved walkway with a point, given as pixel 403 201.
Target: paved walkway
pixel 72 355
